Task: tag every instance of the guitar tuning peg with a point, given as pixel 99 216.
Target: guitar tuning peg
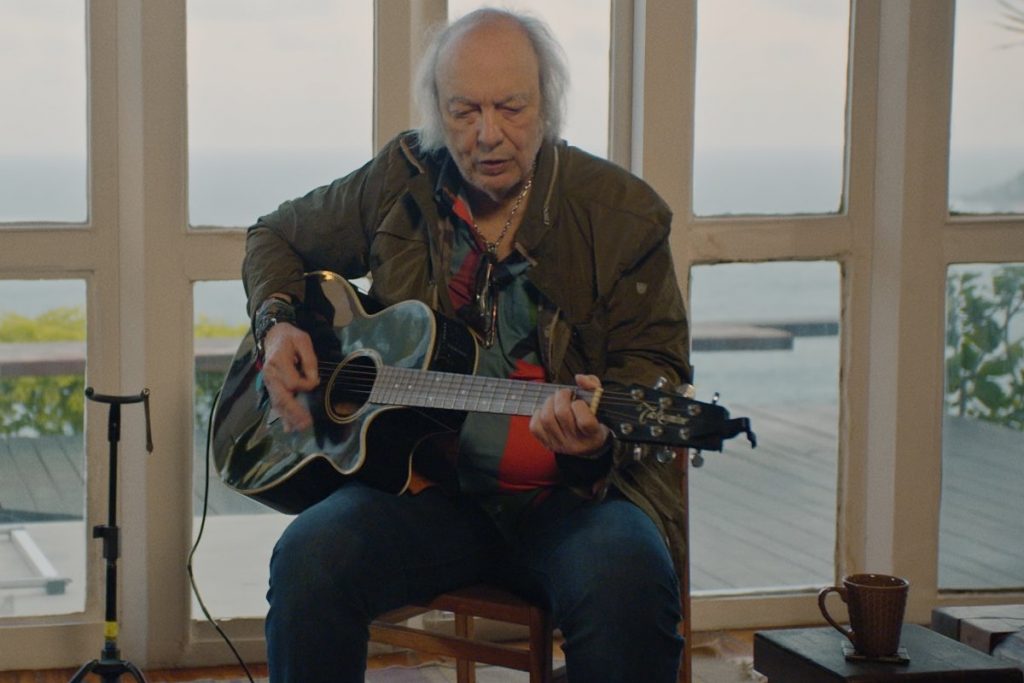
pixel 686 390
pixel 638 453
pixel 662 384
pixel 664 455
pixel 714 399
pixel 696 459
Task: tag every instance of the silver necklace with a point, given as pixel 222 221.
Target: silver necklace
pixel 492 247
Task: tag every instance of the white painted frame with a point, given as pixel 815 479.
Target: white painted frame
pixel 893 242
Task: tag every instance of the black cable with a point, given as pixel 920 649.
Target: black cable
pixel 199 537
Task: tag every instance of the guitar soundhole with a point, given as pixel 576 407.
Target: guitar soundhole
pixel 349 387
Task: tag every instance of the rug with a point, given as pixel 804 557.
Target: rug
pixel 737 670
pixel 427 673
pixel 711 670
pixel 443 673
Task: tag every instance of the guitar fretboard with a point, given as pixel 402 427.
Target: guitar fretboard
pixel 453 391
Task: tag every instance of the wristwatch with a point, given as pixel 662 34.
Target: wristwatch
pixel 272 311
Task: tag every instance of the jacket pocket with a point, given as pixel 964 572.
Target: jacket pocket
pixel 399 258
pixel 588 346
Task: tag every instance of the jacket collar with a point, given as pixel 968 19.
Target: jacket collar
pixel 540 209
pixel 540 215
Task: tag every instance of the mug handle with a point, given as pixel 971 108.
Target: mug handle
pixel 824 610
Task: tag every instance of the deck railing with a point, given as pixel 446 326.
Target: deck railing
pixel 68 357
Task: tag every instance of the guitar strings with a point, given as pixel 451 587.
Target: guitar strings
pixel 360 380
pixel 370 375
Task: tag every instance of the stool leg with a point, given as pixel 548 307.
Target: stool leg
pixel 465 669
pixel 540 646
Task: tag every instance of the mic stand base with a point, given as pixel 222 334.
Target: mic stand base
pixel 109 671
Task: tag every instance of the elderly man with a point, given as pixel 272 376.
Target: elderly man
pixel 559 263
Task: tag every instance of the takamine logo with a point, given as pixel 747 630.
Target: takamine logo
pixel 649 414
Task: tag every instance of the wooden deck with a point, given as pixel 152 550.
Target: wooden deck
pixel 766 517
pixel 759 518
pixel 41 478
pixel 982 519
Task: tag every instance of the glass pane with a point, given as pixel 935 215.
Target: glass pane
pixel 231 565
pixel 42 449
pixel 770 106
pixel 765 336
pixel 280 99
pixel 986 164
pixel 583 28
pixel 43 119
pixel 981 522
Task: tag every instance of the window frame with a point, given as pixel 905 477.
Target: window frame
pixel 893 241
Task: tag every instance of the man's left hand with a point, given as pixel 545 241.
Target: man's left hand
pixel 567 425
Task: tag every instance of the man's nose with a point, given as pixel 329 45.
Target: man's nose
pixel 489 134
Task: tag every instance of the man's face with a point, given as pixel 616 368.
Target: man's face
pixel 489 93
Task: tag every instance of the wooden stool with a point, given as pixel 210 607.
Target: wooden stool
pixel 491 602
pixel 467 603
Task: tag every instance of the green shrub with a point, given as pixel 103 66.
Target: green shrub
pixel 985 345
pixel 47 405
pixel 42 405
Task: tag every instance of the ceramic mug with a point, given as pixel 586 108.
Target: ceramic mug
pixel 875 603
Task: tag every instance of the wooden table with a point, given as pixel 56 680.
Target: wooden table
pixel 980 626
pixel 815 655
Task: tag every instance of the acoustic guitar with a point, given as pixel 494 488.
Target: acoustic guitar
pixel 393 380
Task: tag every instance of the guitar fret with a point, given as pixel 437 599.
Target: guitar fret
pixel 504 398
pixel 459 393
pixel 453 391
pixel 486 401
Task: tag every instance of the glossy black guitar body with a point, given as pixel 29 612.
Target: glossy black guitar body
pixel 291 471
pixel 392 382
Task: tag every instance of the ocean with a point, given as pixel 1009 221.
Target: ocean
pixel 234 190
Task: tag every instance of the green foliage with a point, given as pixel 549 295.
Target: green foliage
pixel 44 405
pixel 48 405
pixel 985 346
pixel 59 324
pixel 214 329
pixel 38 406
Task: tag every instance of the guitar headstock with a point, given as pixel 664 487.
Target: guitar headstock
pixel 644 415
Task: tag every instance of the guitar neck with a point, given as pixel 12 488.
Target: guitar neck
pixel 452 391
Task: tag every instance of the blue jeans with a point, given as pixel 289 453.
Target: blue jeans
pixel 601 568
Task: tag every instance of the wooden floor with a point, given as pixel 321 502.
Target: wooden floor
pixel 745 504
pixel 41 478
pixel 765 516
pixel 711 652
pixel 775 503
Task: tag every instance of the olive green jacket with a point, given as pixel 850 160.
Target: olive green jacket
pixel 597 241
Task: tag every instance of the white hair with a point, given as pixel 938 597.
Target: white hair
pixel 553 72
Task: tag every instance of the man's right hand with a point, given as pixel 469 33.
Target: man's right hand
pixel 289 366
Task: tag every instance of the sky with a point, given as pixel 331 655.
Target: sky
pixel 42 50
pixel 262 44
pixel 282 90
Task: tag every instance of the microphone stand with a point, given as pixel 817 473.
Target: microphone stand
pixel 110 667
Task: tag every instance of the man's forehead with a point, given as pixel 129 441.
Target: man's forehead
pixel 489 31
pixel 496 45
